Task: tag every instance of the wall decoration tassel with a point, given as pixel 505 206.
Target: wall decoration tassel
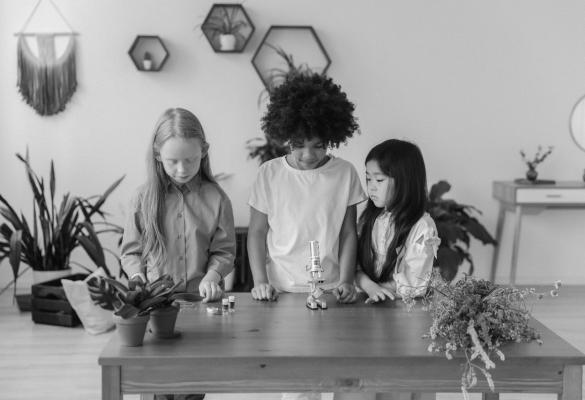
pixel 46 83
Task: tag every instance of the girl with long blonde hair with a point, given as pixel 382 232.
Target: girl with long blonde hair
pixel 180 222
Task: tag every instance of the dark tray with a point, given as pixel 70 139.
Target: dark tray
pixel 50 305
pixel 53 289
pixel 55 318
pixel 41 304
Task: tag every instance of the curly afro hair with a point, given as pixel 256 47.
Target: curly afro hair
pixel 308 106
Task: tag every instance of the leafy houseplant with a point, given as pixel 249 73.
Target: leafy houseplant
pixel 278 75
pixel 46 243
pixel 133 303
pixel 455 226
pixel 225 26
pixel 476 317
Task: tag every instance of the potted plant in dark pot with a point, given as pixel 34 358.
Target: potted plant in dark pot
pixel 46 242
pixel 134 304
pixel 455 226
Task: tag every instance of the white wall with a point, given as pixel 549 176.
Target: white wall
pixel 472 82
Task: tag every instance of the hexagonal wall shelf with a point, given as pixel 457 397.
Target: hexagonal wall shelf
pixel 286 46
pixel 148 53
pixel 227 27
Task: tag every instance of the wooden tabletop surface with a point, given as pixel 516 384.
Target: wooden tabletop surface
pixel 287 329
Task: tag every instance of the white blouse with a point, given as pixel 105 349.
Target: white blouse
pixel 411 275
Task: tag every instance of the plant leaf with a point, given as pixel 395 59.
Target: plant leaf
pixel 478 231
pixel 448 261
pixel 438 190
pixel 52 183
pixel 91 244
pixel 127 311
pixel 119 286
pixel 14 258
pixel 96 207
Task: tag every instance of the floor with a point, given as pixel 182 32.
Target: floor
pixel 51 362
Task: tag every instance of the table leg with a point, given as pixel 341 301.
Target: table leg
pixel 499 229
pixel 572 383
pixel 111 384
pixel 516 244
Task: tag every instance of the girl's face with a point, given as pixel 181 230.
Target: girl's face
pixel 380 186
pixel 181 158
pixel 308 154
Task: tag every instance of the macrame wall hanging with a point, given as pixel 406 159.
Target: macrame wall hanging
pixel 46 82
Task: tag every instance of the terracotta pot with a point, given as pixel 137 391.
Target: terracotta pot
pixel 131 330
pixel 162 321
pixel 227 42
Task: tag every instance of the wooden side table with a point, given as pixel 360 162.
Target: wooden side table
pixel 530 199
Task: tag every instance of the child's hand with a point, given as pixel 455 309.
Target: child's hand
pixel 264 291
pixel 377 293
pixel 210 291
pixel 345 293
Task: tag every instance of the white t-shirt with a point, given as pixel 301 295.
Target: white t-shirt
pixel 304 205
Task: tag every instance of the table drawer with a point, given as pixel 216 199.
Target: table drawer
pixel 549 195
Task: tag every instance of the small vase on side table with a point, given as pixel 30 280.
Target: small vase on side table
pixel 531 175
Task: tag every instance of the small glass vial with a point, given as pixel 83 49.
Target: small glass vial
pixel 225 305
pixel 232 303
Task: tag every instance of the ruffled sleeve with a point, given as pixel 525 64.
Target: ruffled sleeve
pixel 415 264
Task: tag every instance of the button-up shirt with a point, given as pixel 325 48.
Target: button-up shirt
pixel 199 234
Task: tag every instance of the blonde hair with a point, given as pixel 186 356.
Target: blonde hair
pixel 174 122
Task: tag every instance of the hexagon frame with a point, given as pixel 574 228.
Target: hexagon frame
pixel 235 11
pixel 149 44
pixel 273 28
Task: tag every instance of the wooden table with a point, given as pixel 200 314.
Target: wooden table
pixel 530 199
pixel 284 347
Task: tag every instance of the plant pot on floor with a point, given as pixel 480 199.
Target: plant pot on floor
pixel 162 322
pixel 131 330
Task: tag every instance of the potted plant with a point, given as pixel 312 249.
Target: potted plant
pixel 540 156
pixel 147 61
pixel 477 318
pixel 265 149
pixel 135 303
pixel 455 227
pixel 55 230
pixel 224 26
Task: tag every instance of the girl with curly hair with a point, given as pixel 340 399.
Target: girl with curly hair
pixel 307 194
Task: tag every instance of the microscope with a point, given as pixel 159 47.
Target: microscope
pixel 316 278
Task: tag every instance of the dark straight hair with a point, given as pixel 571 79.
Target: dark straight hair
pixel 402 161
